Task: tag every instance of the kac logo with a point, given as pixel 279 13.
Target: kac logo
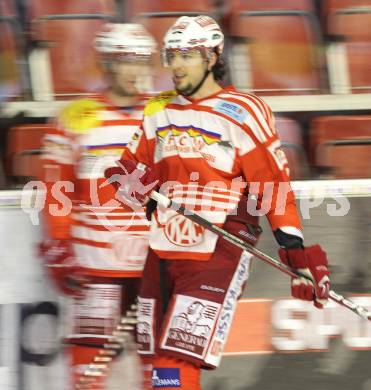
pixel 179 230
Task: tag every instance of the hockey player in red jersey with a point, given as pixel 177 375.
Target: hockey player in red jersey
pixel 215 151
pixel 96 247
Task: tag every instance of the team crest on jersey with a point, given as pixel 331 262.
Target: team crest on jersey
pixel 233 110
pixel 181 231
pixel 193 142
pixel 209 137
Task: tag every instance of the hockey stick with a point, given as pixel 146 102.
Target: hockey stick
pixel 118 344
pixel 166 202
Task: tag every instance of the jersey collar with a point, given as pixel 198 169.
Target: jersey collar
pixel 229 88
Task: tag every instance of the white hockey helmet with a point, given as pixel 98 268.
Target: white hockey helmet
pixel 126 40
pixel 193 33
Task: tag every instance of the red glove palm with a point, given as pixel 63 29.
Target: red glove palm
pixel 60 262
pixel 134 181
pixel 312 262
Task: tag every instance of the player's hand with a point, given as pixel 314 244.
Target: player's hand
pixel 61 265
pixel 134 181
pixel 312 262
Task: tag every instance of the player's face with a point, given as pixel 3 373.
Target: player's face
pixel 188 68
pixel 127 76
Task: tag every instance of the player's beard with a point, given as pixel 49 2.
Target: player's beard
pixel 186 90
pixel 191 88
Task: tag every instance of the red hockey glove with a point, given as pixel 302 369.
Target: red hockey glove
pixel 312 262
pixel 242 224
pixel 134 181
pixel 60 263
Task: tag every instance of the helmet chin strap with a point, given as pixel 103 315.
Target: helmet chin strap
pixel 197 87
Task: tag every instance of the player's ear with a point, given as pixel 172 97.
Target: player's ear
pixel 213 58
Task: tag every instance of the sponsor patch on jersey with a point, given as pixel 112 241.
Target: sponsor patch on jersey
pixel 165 377
pixel 233 110
pixel 145 326
pixel 191 326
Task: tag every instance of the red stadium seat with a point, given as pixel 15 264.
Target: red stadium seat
pixel 137 7
pixel 330 6
pixel 7 8
pixel 73 60
pixel 269 5
pixel 12 68
pixel 9 75
pixel 24 149
pixel 281 50
pixel 69 28
pixel 341 145
pixel 353 25
pixel 234 7
pixel 55 7
pixel 290 134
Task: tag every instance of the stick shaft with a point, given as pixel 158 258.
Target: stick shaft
pixel 166 202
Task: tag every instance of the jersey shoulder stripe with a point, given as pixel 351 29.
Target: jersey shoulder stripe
pixel 81 115
pixel 159 102
pixel 261 103
pixel 257 114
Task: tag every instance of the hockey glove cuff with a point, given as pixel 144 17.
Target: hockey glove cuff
pixel 134 182
pixel 312 262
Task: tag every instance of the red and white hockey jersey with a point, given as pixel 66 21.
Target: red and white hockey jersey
pixel 109 239
pixel 204 151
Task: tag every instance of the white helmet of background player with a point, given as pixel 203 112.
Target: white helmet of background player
pixel 124 41
pixel 188 33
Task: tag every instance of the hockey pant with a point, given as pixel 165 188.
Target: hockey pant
pixel 185 311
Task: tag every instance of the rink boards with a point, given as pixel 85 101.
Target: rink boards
pixel 269 330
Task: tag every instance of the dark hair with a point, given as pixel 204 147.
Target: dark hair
pixel 219 69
